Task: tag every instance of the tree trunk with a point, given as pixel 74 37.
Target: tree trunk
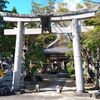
pixel 97 69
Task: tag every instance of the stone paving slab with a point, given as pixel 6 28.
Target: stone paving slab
pixel 39 97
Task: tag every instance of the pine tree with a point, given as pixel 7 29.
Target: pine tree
pixel 3 4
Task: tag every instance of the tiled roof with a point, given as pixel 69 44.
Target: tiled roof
pixel 56 50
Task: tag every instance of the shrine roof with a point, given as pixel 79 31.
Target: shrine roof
pixel 56 50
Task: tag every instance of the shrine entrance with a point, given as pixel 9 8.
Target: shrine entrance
pixel 20 31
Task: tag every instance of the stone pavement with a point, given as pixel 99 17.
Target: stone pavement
pixel 68 93
pixel 48 91
pixel 43 96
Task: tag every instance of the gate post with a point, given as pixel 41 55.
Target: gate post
pixel 77 56
pixel 18 56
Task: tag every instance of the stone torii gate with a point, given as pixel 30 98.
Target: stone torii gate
pixel 20 31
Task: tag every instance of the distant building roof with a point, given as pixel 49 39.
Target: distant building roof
pixel 56 50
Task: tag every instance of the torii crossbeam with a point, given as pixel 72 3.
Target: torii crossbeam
pixel 20 31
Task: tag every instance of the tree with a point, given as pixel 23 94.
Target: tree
pixel 85 6
pixel 37 43
pixel 3 4
pixel 94 21
pixel 51 6
pixel 14 10
pixel 38 9
pixel 79 6
pixel 62 7
pixel 7 43
pixel 91 38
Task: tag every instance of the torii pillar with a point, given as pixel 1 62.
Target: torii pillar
pixel 18 57
pixel 77 56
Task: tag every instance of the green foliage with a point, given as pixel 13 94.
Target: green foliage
pixel 3 4
pixel 69 54
pixel 32 24
pixel 91 39
pixel 94 21
pixel 88 5
pixel 33 70
pixel 7 43
pixel 36 45
pixel 46 39
pixel 79 6
pixel 35 53
pixel 38 9
pixel 85 5
pixel 14 10
pixel 70 68
pixel 62 7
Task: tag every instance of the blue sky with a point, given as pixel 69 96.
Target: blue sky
pixel 24 6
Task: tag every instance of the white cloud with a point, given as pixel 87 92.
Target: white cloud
pixel 72 4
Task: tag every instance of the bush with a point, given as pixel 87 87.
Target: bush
pixel 70 68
